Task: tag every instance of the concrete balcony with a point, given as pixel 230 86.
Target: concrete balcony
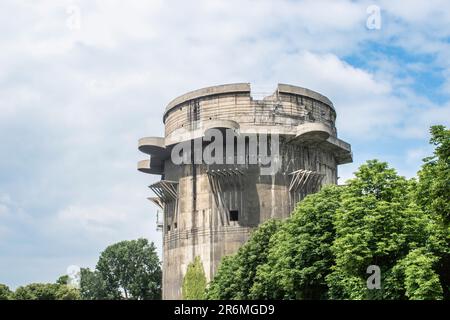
pixel 313 131
pixel 154 146
pixel 151 166
pixel 341 150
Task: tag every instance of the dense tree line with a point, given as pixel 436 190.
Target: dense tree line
pixel 125 270
pixel 324 250
pixel 60 290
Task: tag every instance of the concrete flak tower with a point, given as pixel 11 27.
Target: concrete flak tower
pixel 229 162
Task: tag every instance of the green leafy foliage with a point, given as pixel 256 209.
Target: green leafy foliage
pixel 225 284
pixel 433 195
pixel 376 224
pixel 433 190
pixel 300 254
pixel 64 279
pixel 324 249
pixel 417 274
pixel 46 291
pixel 125 270
pixel 5 293
pixel 194 282
pixel 235 277
pixel 93 287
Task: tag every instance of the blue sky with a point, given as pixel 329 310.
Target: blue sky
pixel 82 81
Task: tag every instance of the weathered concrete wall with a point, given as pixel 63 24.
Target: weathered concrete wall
pixel 198 222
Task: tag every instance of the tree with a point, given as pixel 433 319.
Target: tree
pixel 433 194
pixel 378 221
pixel 417 276
pixel 300 255
pixel 36 291
pixel 130 270
pixel 64 279
pixel 46 291
pixel 194 282
pixel 433 191
pixel 67 292
pixel 5 293
pixel 376 224
pixel 225 284
pixel 93 287
pixel 242 266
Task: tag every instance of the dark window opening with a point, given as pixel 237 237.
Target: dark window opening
pixel 234 215
pixel 168 227
pixel 175 225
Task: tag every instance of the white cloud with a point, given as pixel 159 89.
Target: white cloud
pixel 415 155
pixel 4 210
pixel 366 107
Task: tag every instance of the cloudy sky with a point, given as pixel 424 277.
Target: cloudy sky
pixel 82 81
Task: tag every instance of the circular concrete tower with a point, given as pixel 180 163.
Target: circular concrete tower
pixel 229 162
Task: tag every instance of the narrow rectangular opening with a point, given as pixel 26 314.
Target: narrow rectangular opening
pixel 234 215
pixel 196 111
